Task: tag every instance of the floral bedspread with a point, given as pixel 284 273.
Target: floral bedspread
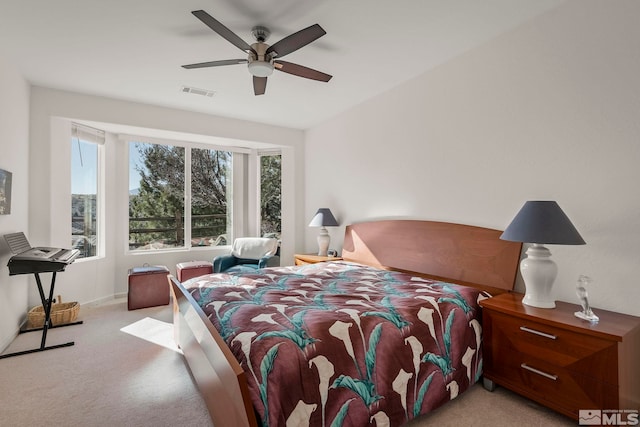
pixel 341 344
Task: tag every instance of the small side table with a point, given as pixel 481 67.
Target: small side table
pixel 302 259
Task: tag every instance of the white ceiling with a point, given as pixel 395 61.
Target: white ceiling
pixel 134 49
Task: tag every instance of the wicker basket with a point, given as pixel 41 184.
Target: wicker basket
pixel 61 313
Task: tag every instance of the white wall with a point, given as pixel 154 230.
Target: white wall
pixel 49 195
pixel 14 157
pixel 548 111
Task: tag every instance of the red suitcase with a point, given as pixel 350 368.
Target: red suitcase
pixel 148 287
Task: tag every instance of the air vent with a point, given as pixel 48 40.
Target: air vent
pixel 196 91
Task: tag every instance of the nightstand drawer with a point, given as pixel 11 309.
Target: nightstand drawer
pixel 570 351
pixel 561 389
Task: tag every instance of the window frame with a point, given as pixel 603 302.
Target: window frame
pixel 87 134
pixel 238 191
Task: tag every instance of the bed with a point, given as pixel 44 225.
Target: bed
pixel 387 334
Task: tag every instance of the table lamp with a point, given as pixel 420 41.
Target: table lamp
pixel 540 223
pixel 323 218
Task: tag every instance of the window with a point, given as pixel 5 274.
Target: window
pixel 211 197
pixel 178 196
pixel 270 194
pixel 156 196
pixel 85 197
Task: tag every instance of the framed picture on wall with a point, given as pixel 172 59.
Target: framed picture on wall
pixel 5 192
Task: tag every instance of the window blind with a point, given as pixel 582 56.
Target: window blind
pixel 87 133
pixel 272 152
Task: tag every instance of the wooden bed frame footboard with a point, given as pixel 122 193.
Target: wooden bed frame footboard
pixel 217 373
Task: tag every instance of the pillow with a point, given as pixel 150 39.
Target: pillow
pixel 254 247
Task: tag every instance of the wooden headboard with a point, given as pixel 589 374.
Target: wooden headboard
pixel 463 254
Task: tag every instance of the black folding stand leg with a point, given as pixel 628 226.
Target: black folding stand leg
pixel 46 304
pixel 47 307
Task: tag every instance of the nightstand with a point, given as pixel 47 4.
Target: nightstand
pixel 302 259
pixel 558 360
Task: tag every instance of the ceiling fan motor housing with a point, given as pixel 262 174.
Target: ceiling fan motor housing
pixel 260 64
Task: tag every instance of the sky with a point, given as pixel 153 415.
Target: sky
pixel 134 159
pixel 84 166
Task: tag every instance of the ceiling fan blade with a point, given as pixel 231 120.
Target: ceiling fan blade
pixel 219 28
pixel 301 71
pixel 297 40
pixel 216 63
pixel 259 85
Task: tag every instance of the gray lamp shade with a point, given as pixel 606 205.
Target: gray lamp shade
pixel 323 218
pixel 542 222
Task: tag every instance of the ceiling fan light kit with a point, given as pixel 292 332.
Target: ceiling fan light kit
pixel 263 58
pixel 260 68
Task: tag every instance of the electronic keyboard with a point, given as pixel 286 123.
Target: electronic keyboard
pixel 36 260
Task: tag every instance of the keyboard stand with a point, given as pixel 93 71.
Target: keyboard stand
pixel 46 303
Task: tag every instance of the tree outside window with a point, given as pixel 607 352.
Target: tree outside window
pixel 157 189
pixel 166 211
pixel 270 195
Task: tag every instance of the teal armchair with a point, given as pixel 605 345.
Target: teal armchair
pixel 248 254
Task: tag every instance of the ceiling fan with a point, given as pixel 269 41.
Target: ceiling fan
pixel 264 58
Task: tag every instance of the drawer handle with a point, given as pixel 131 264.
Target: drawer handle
pixel 539 372
pixel 533 331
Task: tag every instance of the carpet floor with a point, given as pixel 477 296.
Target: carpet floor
pixel 125 370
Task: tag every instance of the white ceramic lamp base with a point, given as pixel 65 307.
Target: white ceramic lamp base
pixel 323 241
pixel 539 272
